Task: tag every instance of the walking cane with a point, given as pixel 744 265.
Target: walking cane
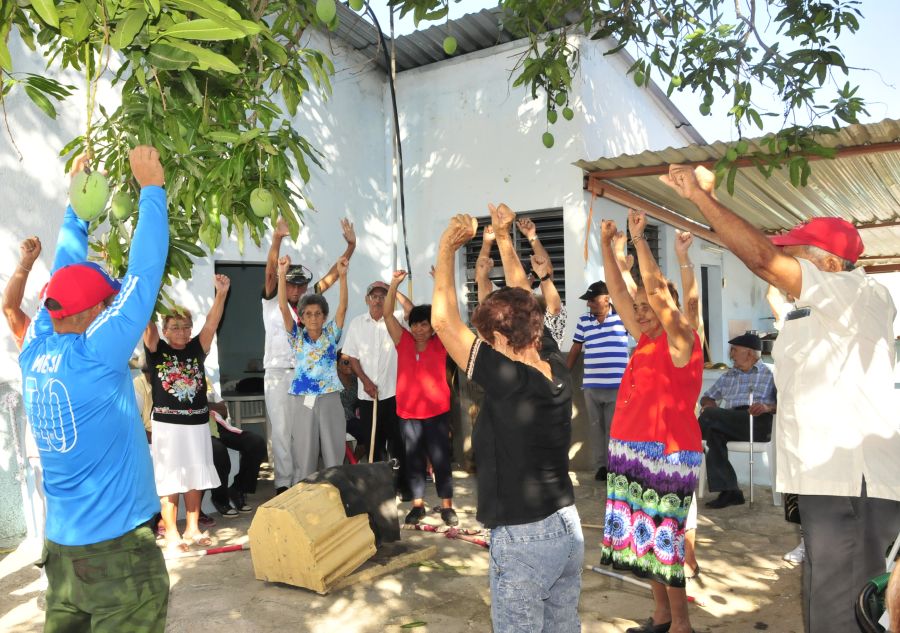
pixel 751 447
pixel 374 424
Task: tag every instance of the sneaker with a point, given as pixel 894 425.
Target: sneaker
pixel 796 555
pixel 727 498
pixel 601 474
pixel 238 501
pixel 415 515
pixel 225 510
pixel 448 516
pixel 205 521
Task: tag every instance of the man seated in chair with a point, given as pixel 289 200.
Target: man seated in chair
pixel 725 415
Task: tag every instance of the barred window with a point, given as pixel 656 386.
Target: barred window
pixel 550 231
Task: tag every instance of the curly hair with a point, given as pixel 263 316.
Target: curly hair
pixel 514 313
pixel 312 299
pixel 420 313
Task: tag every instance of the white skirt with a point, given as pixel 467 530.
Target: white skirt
pixel 182 458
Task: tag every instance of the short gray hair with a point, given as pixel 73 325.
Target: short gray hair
pixel 821 253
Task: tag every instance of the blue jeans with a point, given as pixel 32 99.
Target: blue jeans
pixel 535 574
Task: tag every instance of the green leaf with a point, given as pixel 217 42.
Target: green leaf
pixel 413 625
pixel 166 57
pixel 154 6
pixel 208 9
pixel 207 58
pixel 127 28
pixel 205 30
pixel 5 58
pixel 40 100
pixel 81 24
pixel 47 10
pixel 732 173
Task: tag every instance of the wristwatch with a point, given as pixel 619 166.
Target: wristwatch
pixel 546 277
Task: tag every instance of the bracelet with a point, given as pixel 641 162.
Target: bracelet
pixel 546 277
pixel 637 238
pixel 27 270
pixel 687 265
pixel 532 238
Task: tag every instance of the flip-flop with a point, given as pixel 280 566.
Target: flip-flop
pixel 202 539
pixel 177 546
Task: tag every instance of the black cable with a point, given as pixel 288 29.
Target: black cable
pixel 387 61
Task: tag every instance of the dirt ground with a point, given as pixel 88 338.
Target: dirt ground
pixel 744 585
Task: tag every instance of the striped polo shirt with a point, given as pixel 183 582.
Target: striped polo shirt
pixel 605 350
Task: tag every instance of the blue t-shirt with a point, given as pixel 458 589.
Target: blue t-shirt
pixel 316 361
pixel 605 350
pixel 79 398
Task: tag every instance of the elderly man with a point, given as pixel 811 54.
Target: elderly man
pixel 104 569
pixel 279 358
pixel 373 359
pixel 604 339
pixel 837 436
pixel 747 389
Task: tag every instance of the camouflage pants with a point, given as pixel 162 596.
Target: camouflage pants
pixel 120 585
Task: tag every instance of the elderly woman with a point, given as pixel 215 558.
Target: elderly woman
pixel 654 449
pixel 315 415
pixel 181 447
pixel 521 442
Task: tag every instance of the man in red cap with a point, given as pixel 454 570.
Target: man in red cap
pixel 103 567
pixel 837 435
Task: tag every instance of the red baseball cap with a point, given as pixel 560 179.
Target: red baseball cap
pixel 77 287
pixel 835 235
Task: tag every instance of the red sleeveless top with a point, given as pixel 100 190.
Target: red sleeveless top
pixel 656 399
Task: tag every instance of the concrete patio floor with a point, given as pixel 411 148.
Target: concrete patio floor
pixel 744 586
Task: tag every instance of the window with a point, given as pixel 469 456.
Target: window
pixel 651 234
pixel 550 231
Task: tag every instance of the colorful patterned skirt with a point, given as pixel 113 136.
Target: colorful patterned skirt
pixel 647 501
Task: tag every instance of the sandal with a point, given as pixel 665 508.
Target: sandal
pixel 178 546
pixel 650 627
pixel 202 539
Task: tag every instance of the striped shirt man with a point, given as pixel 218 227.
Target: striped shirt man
pixel 605 350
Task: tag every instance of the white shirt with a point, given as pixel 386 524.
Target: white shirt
pixel 369 342
pixel 278 354
pixel 837 408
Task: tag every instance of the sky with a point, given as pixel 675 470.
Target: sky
pixel 876 46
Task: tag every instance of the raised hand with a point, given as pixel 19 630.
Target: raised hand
pixel 527 227
pixel 461 229
pixel 637 222
pixel 343 265
pixel 484 265
pixel 81 163
pixel 281 228
pixel 222 283
pixel 431 272
pixel 29 251
pixel 502 217
pixel 541 266
pixel 608 230
pixel 284 262
pixel 347 231
pixel 487 234
pixel 688 181
pixel 145 166
pixel 683 241
pixel 398 277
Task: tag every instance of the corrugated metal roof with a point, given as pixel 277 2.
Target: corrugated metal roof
pixel 861 185
pixel 473 32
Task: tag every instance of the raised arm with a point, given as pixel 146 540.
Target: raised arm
pixel 29 251
pixel 72 243
pixel 618 292
pixel 284 263
pixel 343 267
pixel 690 292
pixel 223 284
pixel 405 304
pixel 151 336
pixel 529 230
pixel 679 331
pixel 747 242
pixel 281 231
pixel 502 218
pixel 485 264
pixel 332 275
pixel 390 301
pixel 542 267
pixel 445 318
pixel 624 261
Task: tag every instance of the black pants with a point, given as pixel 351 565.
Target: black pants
pixel 388 441
pixel 846 539
pixel 252 449
pixel 720 426
pixel 429 437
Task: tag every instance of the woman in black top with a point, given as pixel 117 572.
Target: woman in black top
pixel 521 442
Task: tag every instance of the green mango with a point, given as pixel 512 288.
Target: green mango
pixel 568 113
pixel 449 44
pixel 88 194
pixel 262 202
pixel 548 140
pixel 326 10
pixel 552 116
pixel 356 5
pixel 121 205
